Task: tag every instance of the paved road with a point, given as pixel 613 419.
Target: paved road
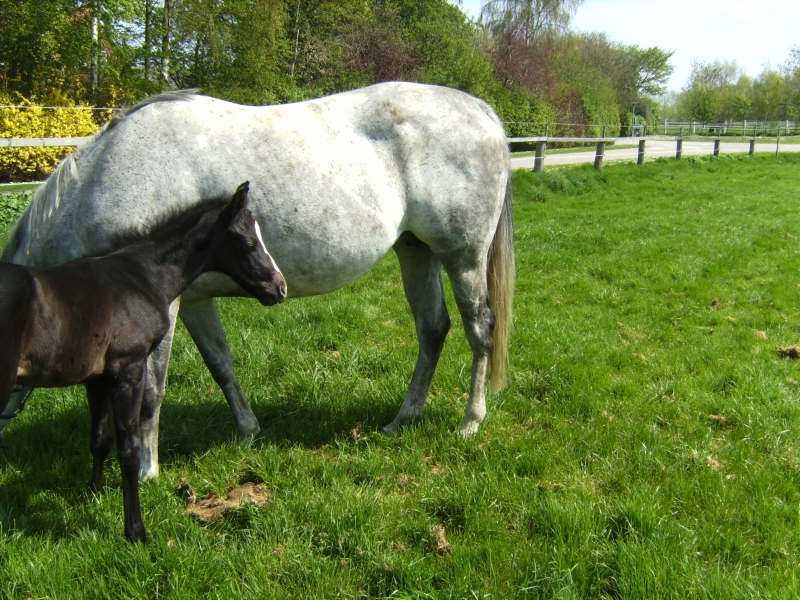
pixel 653 149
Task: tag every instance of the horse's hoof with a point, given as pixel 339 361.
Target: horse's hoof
pixel 247 438
pixel 469 428
pixel 391 429
pixel 146 473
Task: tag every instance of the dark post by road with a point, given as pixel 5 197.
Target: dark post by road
pixel 752 146
pixel 778 143
pixel 716 147
pixel 679 149
pixel 640 158
pixel 598 158
pixel 538 163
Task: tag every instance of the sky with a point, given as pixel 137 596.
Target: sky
pixel 749 32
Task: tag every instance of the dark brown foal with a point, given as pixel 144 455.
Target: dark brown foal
pixel 96 320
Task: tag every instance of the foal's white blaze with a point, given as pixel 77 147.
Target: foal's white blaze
pixel 269 256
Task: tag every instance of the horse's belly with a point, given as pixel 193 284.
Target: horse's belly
pixel 60 374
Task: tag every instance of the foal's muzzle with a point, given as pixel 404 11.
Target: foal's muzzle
pixel 273 292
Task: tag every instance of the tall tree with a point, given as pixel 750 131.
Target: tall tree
pixel 529 19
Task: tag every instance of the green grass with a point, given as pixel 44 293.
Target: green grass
pixel 17 187
pixel 646 445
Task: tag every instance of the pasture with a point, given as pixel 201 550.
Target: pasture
pixel 646 446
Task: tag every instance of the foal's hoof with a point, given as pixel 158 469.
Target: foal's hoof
pixel 138 535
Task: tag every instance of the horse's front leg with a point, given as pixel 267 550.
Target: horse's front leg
pixel 97 393
pixel 157 365
pixel 126 402
pixel 202 322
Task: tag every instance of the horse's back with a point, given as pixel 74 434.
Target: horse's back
pixel 334 181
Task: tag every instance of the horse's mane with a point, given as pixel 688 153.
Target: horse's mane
pixel 172 224
pixel 47 197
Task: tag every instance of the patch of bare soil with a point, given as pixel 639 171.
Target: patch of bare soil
pixel 437 543
pixel 790 351
pixel 212 507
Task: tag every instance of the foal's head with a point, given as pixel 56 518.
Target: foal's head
pixel 240 253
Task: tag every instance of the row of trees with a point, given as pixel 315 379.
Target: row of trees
pixel 520 55
pixel 721 92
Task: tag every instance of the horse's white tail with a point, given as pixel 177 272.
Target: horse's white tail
pixel 500 276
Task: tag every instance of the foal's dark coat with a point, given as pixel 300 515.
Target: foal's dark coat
pixel 96 320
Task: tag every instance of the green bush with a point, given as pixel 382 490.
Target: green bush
pixel 30 164
pixel 523 115
pixel 12 205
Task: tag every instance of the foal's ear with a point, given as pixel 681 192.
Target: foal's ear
pixel 239 200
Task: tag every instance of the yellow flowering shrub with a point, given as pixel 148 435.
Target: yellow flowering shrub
pixel 33 163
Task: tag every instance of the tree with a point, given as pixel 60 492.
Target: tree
pixel 769 95
pixel 704 103
pixel 652 69
pixel 528 19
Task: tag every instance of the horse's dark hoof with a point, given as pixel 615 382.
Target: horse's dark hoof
pixel 139 535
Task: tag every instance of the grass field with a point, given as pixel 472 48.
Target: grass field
pixel 646 447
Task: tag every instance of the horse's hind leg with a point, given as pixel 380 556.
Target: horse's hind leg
pixel 202 322
pixel 155 382
pixel 422 281
pixel 472 297
pixel 97 393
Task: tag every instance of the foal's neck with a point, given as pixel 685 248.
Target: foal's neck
pixel 173 264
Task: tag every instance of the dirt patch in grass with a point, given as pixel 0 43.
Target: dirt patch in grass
pixel 437 542
pixel 212 507
pixel 789 351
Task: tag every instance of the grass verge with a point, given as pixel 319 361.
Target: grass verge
pixel 646 445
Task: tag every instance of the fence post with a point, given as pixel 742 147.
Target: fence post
pixel 640 158
pixel 716 147
pixel 538 163
pixel 604 130
pixel 744 127
pixel 598 157
pixel 547 130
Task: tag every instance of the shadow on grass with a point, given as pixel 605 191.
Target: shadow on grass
pixel 47 460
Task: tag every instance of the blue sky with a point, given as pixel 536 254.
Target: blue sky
pixel 749 32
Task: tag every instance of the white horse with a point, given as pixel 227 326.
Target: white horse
pixel 335 183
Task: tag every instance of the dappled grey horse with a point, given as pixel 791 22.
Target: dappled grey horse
pixel 335 183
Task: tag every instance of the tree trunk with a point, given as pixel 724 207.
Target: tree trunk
pixel 95 62
pixel 296 39
pixel 168 4
pixel 148 34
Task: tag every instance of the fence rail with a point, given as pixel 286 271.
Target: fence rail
pixel 541 146
pixel 541 143
pixel 39 142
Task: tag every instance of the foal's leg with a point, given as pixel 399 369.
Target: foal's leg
pixel 202 321
pixel 422 282
pixel 472 297
pixel 16 401
pixel 126 402
pixel 15 310
pixel 157 365
pixel 97 393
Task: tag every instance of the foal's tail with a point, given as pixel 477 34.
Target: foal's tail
pixel 500 277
